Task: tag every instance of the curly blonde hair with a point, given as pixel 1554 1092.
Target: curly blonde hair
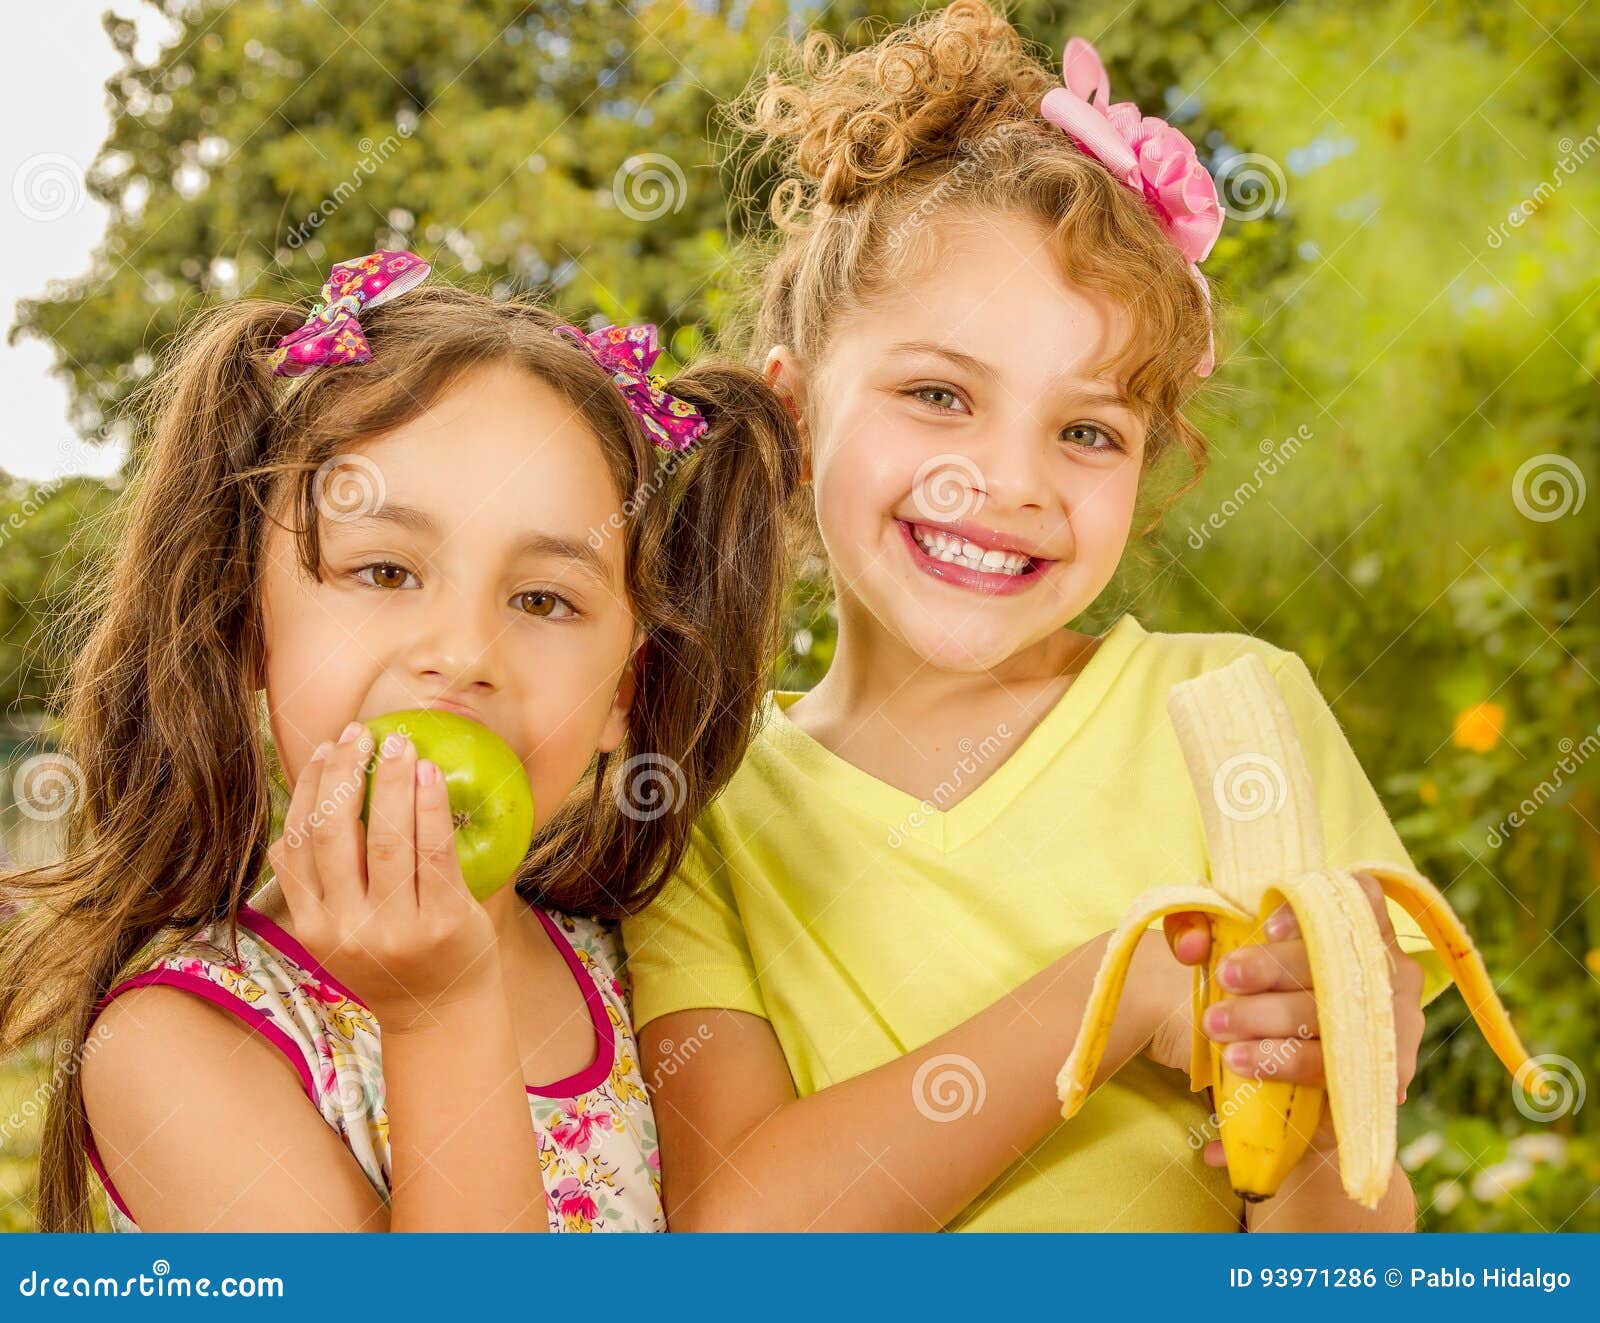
pixel 938 122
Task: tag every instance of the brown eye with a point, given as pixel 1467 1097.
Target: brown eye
pixel 545 605
pixel 383 575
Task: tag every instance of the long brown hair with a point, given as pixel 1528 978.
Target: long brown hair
pixel 160 709
pixel 864 155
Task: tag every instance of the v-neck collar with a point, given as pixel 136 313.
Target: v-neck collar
pixel 903 815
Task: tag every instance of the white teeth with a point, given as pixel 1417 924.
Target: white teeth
pixel 953 550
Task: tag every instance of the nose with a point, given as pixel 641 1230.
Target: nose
pixel 455 646
pixel 1010 460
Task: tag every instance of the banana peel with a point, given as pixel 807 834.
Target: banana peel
pixel 1264 835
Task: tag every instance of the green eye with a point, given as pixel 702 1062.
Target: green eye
pixel 1078 430
pixel 950 398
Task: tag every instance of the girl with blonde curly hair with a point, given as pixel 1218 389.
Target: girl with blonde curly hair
pixel 981 296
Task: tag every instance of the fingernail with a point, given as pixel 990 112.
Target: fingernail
pixel 1237 1056
pixel 1215 1020
pixel 350 732
pixel 321 751
pixel 1280 925
pixel 394 744
pixel 427 773
pixel 1229 974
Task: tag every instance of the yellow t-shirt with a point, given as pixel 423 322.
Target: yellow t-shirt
pixel 862 922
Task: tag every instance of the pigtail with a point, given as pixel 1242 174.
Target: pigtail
pixel 161 724
pixel 711 542
pixel 710 659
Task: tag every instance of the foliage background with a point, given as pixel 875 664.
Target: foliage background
pixel 1409 282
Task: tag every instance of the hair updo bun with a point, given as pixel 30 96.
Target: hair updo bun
pixel 925 92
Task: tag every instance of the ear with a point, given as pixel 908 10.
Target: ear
pixel 786 377
pixel 616 727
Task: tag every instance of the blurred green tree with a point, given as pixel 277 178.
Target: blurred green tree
pixel 557 146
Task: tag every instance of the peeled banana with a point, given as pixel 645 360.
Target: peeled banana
pixel 1263 833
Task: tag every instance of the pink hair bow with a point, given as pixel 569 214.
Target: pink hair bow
pixel 627 352
pixel 332 333
pixel 1146 154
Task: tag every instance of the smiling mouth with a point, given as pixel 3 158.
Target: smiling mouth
pixel 958 560
pixel 953 549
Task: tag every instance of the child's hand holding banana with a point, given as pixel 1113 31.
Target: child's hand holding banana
pixel 1263 832
pixel 1266 1023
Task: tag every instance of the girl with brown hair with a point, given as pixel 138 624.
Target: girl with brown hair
pixel 419 498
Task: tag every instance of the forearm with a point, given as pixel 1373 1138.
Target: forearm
pixel 471 1163
pixel 1313 1199
pixel 893 1149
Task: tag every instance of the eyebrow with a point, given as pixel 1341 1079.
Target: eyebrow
pixel 580 551
pixel 979 368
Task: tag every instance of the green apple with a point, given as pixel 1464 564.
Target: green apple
pixel 491 801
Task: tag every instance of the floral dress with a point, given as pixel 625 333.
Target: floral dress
pixel 595 1130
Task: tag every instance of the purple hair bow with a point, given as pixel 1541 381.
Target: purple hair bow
pixel 332 333
pixel 627 352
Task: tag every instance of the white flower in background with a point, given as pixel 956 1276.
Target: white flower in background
pixel 1494 1183
pixel 1423 1149
pixel 1540 1148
